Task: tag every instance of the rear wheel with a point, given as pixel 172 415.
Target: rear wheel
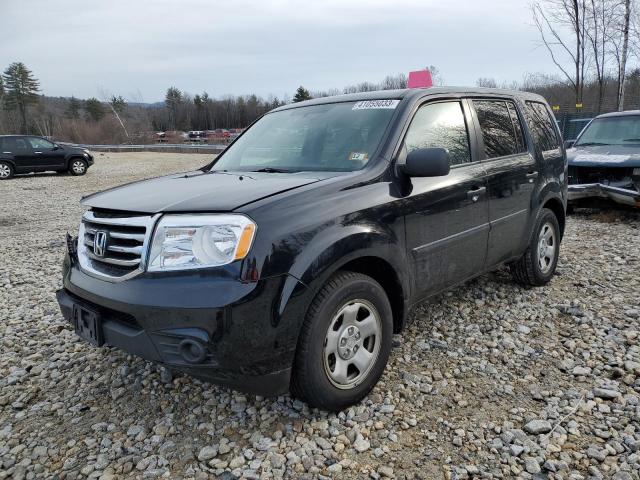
pixel 344 343
pixel 78 166
pixel 538 264
pixel 6 170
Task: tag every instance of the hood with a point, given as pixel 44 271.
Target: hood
pixel 604 156
pixel 199 191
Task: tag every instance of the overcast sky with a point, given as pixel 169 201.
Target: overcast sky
pixel 138 48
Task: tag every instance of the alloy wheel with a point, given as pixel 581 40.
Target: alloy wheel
pixel 5 171
pixel 78 167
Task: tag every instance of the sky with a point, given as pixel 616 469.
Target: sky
pixel 139 48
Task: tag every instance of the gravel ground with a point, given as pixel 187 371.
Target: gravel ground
pixel 490 380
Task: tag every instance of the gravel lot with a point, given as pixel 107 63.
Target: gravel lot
pixel 489 381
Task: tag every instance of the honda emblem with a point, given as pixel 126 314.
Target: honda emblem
pixel 100 243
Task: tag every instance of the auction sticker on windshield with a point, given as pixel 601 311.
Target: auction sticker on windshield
pixel 371 104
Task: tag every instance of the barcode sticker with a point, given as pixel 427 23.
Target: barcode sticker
pixel 371 104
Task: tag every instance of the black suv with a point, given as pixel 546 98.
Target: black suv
pixel 26 153
pixel 290 260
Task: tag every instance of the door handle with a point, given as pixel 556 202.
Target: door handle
pixel 475 193
pixel 531 176
pixel 37 153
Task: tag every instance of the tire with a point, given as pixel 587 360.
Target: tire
pixel 6 170
pixel 77 166
pixel 532 269
pixel 337 325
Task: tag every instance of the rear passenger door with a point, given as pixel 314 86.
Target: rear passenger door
pixel 511 176
pixel 446 218
pixel 20 150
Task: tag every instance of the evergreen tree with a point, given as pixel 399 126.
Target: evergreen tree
pixel 301 95
pixel 118 103
pixel 21 90
pixel 94 109
pixel 173 99
pixel 73 109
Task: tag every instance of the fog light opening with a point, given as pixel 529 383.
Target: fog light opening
pixel 192 351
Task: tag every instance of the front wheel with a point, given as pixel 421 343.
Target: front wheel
pixel 78 166
pixel 344 344
pixel 538 264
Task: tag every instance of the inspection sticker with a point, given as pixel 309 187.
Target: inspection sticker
pixel 371 104
pixel 358 156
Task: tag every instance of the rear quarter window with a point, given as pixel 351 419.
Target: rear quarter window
pixel 543 127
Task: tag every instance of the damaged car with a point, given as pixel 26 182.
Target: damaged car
pixel 604 162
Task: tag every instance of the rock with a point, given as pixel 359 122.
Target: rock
pixel 385 471
pixel 516 450
pixel 236 462
pixel 597 454
pixel 537 427
pixel 361 444
pixel 531 465
pixel 207 453
pixel 606 393
pixel 581 371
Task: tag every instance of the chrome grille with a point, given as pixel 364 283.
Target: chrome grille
pixel 114 246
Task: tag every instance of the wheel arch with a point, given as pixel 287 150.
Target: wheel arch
pixel 73 157
pixel 377 253
pixel 383 273
pixel 556 206
pixel 10 161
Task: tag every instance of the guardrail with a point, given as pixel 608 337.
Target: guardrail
pixel 157 147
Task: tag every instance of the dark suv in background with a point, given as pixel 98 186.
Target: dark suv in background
pixel 289 261
pixel 27 153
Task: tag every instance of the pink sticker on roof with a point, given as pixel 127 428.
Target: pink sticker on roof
pixel 420 79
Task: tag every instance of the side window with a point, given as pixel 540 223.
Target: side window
pixel 517 126
pixel 16 145
pixel 542 126
pixel 40 143
pixel 498 129
pixel 440 125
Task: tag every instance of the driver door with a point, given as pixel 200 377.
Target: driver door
pixel 45 153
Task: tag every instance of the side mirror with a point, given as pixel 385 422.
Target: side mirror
pixel 426 162
pixel 56 147
pixel 569 143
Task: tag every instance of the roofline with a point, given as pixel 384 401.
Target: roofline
pixel 411 93
pixel 624 113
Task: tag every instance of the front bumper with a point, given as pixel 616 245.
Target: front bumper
pixel 247 345
pixel 623 196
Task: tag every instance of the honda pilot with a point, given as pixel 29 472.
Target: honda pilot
pixel 289 261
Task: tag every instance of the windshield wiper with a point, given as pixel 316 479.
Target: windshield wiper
pixel 591 144
pixel 271 170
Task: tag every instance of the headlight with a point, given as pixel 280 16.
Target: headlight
pixel 198 241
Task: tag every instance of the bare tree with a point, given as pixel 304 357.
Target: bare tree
pixel 622 71
pixel 600 20
pixel 487 82
pixel 553 19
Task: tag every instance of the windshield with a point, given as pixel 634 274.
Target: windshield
pixel 611 131
pixel 330 137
